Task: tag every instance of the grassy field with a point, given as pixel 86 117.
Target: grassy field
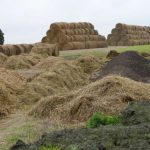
pixel 100 52
pixel 140 48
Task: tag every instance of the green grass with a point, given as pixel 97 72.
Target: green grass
pixel 139 48
pixel 26 132
pixel 74 54
pixel 101 119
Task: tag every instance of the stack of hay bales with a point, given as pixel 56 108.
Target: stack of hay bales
pixel 72 36
pixel 126 35
pixel 39 48
pixel 16 49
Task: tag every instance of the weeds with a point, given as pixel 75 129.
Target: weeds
pixel 101 119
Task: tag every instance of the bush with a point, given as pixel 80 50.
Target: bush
pixel 101 119
pixel 1 37
pixel 49 148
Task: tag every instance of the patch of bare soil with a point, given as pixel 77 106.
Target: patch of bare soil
pixel 128 64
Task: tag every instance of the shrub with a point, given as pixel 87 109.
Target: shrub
pixel 49 148
pixel 101 119
pixel 1 37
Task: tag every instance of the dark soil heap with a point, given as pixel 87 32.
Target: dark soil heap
pixel 128 64
pixel 119 137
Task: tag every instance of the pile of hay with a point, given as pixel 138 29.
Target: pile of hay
pixel 125 35
pixel 91 63
pixel 25 61
pixel 72 36
pixel 128 64
pixel 11 86
pixel 109 95
pixel 57 76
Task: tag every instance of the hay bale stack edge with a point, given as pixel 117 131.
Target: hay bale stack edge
pixel 70 36
pixel 129 35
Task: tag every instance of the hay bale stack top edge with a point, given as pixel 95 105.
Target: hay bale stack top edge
pixel 70 36
pixel 129 35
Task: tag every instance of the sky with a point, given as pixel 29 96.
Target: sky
pixel 26 21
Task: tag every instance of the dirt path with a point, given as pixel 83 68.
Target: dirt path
pixel 8 125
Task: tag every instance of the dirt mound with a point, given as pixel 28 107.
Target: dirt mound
pixel 11 85
pixel 136 113
pixel 109 95
pixel 127 64
pixel 118 137
pixel 112 54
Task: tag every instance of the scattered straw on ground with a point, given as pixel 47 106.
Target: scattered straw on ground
pixel 91 63
pixel 50 76
pixel 58 76
pixel 11 86
pixel 109 95
pixel 23 61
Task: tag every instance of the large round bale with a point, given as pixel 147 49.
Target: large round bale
pixel 79 38
pixel 116 31
pixel 9 50
pixel 113 39
pixel 27 47
pixel 18 49
pixel 1 49
pixel 58 26
pixel 71 26
pixel 49 49
pixel 73 46
pixel 45 39
pixel 95 44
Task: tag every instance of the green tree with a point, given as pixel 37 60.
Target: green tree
pixel 1 37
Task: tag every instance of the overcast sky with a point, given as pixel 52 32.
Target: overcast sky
pixel 26 21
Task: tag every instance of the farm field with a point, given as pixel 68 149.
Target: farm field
pixel 30 122
pixel 74 75
pixel 100 52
